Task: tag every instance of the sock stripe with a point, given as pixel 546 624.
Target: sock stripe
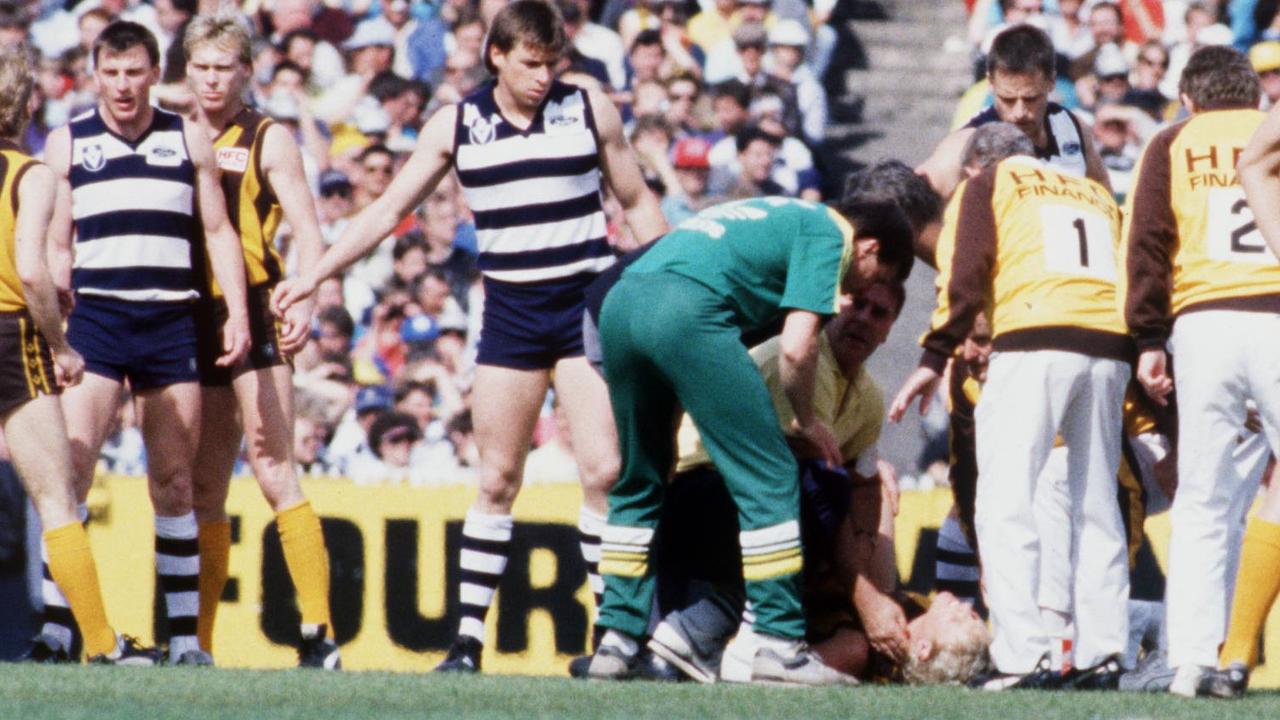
pixel 59 615
pixel 182 626
pixel 486 542
pixel 485 563
pixel 178 578
pixel 177 547
pixel 488 547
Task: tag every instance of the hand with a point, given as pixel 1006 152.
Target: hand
pixel 290 292
pixel 822 439
pixel 68 367
pixel 886 627
pixel 1252 420
pixel 296 327
pixel 922 383
pixel 1153 376
pixel 235 341
pixel 889 484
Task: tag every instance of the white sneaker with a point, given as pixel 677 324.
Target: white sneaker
pixel 739 654
pixel 1187 679
pixel 778 662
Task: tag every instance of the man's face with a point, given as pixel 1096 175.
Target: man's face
pixel 757 161
pixel 216 76
pixel 411 264
pixel 329 339
pixel 124 81
pixel 308 440
pixel 729 114
pixel 372 60
pixel 290 15
pixel 1021 99
pixel 432 295
pixel 169 17
pixel 470 38
pixel 301 51
pixel 419 405
pixel 645 61
pixel 1022 10
pixel 396 446
pixel 1113 87
pixel 976 351
pixel 525 73
pixel 375 173
pixel 866 269
pixel 693 181
pixel 752 57
pixel 753 12
pixel 947 623
pixel 1104 25
pixel 862 326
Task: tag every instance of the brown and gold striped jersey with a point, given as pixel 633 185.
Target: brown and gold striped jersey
pixel 251 203
pixel 13 163
pixel 1190 242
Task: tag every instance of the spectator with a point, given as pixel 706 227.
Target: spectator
pixel 599 42
pixel 1106 28
pixel 574 60
pixel 1265 58
pixel 683 95
pixel 408 260
pixel 1070 36
pixel 310 435
pixel 1118 132
pixel 793 166
pixel 713 25
pixel 15 24
pixel 397 15
pixel 1148 73
pixel 1202 29
pixel 751 42
pixel 323 60
pixel 640 18
pixel 651 141
pixel 683 55
pixel 350 444
pixel 1108 82
pixel 335 205
pixel 392 437
pixel 687 188
pixel 438 217
pixel 757 151
pixel 787 43
pixel 645 59
pixel 722 58
pixel 731 105
pixel 370 51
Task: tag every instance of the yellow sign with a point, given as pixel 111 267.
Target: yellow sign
pixel 393 553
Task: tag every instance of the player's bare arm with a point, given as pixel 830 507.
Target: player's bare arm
pixel 226 256
pixel 797 369
pixel 623 174
pixel 57 156
pixel 943 168
pixel 282 163
pixel 36 193
pixel 424 169
pixel 1259 173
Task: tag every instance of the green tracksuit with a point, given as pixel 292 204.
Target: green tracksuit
pixel 671 332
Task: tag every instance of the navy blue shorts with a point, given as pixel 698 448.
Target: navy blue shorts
pixel 531 326
pixel 149 344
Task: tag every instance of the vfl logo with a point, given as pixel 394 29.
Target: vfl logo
pixel 479 128
pixel 233 159
pixel 92 158
pixel 1071 148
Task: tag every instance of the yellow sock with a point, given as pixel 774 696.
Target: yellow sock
pixel 1257 583
pixel 214 539
pixel 71 564
pixel 308 561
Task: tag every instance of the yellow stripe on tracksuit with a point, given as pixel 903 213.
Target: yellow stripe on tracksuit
pixel 772 565
pixel 624 564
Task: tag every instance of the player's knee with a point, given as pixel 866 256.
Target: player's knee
pixel 598 474
pixel 499 487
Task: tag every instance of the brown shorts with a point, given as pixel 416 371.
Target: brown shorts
pixel 26 365
pixel 264 337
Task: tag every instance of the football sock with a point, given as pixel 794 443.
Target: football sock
pixel 58 622
pixel 1057 627
pixel 214 541
pixel 71 566
pixel 178 568
pixel 1257 583
pixel 590 525
pixel 956 564
pixel 302 540
pixel 486 541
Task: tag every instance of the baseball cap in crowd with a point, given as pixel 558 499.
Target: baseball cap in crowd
pixel 419 329
pixel 1265 56
pixel 372 397
pixel 371 119
pixel 789 32
pixel 692 153
pixel 749 35
pixel 334 181
pixel 371 33
pixel 282 106
pixel 1110 62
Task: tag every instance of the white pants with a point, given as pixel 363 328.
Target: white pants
pixel 1029 398
pixel 1221 359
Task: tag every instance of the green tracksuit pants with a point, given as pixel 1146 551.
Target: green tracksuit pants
pixel 670 342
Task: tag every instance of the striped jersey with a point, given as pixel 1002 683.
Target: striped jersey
pixel 13 164
pixel 1065 150
pixel 535 193
pixel 252 206
pixel 133 204
pixel 1190 239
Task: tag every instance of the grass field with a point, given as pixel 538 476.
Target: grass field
pixel 142 694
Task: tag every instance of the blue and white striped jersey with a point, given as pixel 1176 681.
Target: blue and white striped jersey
pixel 535 193
pixel 133 204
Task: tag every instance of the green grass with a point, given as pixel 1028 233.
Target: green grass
pixel 69 693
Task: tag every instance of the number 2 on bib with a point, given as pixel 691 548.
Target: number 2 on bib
pixel 1232 234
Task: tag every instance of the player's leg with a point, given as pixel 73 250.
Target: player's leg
pixel 170 420
pixel 34 433
pixel 505 403
pixel 1051 506
pixel 593 435
pixel 1211 387
pixel 1099 553
pixel 211 479
pixel 956 567
pixel 266 405
pixel 1014 435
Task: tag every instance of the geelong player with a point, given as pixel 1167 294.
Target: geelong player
pixel 38 363
pixel 1037 246
pixel 1020 68
pixel 136 186
pixel 1200 280
pixel 533 156
pixel 263 183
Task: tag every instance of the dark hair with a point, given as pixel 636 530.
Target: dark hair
pixel 899 293
pixel 407 242
pixel 387 85
pixel 651 122
pixel 339 318
pixel 303 33
pixel 1021 49
pixel 752 132
pixel 13 15
pixel 887 223
pixel 533 22
pixel 190 7
pixel 894 181
pixel 122 36
pixel 405 389
pixel 684 77
pixel 375 149
pixel 1219 77
pixel 1108 5
pixel 434 273
pixel 737 90
pixel 646 38
pixel 387 421
pixel 287 66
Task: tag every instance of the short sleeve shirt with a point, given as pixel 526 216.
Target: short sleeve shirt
pixel 763 255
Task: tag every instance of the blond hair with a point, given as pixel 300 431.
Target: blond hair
pixel 16 84
pixel 223 31
pixel 956 663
